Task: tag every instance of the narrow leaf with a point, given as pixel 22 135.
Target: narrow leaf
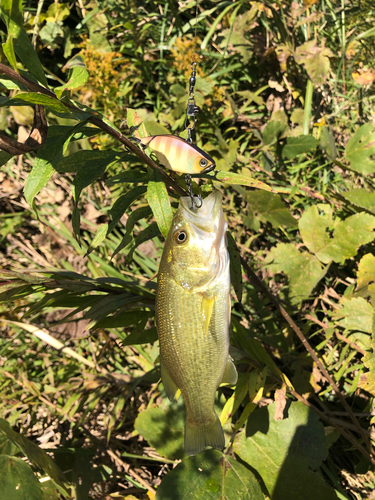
pixel 158 199
pixel 240 179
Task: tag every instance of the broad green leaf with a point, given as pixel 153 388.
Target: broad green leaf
pixel 355 314
pixel 163 427
pixel 7 447
pixel 12 13
pixel 78 77
pixel 36 455
pixel 361 198
pixel 235 266
pixel 272 131
pixel 298 145
pixel 366 271
pixel 327 142
pixel 348 236
pixel 9 52
pixel 269 207
pixel 123 203
pixel 158 199
pixel 314 229
pixel 17 480
pixel 47 159
pixel 34 98
pixel 315 59
pixel 240 179
pixel 282 452
pixel 211 475
pixel 147 234
pixel 303 270
pixel 360 150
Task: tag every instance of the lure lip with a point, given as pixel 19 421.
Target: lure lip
pixel 209 168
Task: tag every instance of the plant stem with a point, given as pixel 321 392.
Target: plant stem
pixel 308 102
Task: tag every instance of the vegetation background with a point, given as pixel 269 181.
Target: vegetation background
pixel 286 99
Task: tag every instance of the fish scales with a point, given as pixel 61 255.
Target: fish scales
pixel 192 317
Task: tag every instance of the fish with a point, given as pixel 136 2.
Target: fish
pixel 179 155
pixel 192 312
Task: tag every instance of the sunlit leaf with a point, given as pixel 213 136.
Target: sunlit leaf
pixel 360 150
pixel 269 207
pixel 240 179
pixel 158 199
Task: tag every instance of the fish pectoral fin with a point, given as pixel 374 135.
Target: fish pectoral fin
pixel 169 385
pixel 230 375
pixel 207 310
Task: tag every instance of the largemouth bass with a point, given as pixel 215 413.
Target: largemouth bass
pixel 193 316
pixel 179 155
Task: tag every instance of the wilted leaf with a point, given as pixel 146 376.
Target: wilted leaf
pixel 303 269
pixel 298 145
pixel 240 179
pixel 315 60
pixel 360 150
pixel 282 452
pixel 17 480
pixel 269 207
pixel 211 475
pixel 364 78
pixel 158 199
pixel 367 379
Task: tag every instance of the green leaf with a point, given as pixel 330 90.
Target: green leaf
pixel 134 217
pixel 163 427
pixel 123 203
pixel 9 52
pixel 17 480
pixel 78 77
pixel 360 150
pixel 272 131
pixel 147 234
pixel 89 165
pixel 303 270
pixel 282 452
pixel 355 314
pixel 48 158
pixel 4 158
pixel 36 455
pixel 314 230
pixel 211 475
pixel 315 60
pixel 366 271
pixel 158 199
pixel 99 237
pixel 348 236
pixel 361 198
pixel 327 142
pixel 235 266
pixel 240 179
pixel 298 145
pixel 269 207
pixel 32 98
pixel 12 13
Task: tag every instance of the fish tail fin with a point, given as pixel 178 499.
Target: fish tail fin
pixel 197 437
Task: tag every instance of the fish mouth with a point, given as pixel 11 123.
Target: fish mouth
pixel 209 217
pixel 209 168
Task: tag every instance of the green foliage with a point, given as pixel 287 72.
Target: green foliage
pixel 284 115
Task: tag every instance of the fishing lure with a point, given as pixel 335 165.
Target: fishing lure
pixel 179 155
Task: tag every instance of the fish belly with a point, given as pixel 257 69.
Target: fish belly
pixel 194 358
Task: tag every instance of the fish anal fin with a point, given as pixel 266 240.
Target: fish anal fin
pixel 207 310
pixel 230 375
pixel 197 437
pixel 169 386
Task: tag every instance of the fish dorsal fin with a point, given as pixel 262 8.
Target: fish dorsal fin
pixel 230 375
pixel 207 309
pixel 169 386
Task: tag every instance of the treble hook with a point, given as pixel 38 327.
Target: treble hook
pixel 191 194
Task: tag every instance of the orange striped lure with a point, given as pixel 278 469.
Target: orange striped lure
pixel 179 155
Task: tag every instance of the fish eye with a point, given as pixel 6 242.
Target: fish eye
pixel 203 162
pixel 180 237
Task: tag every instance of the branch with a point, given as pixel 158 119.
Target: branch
pixel 98 122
